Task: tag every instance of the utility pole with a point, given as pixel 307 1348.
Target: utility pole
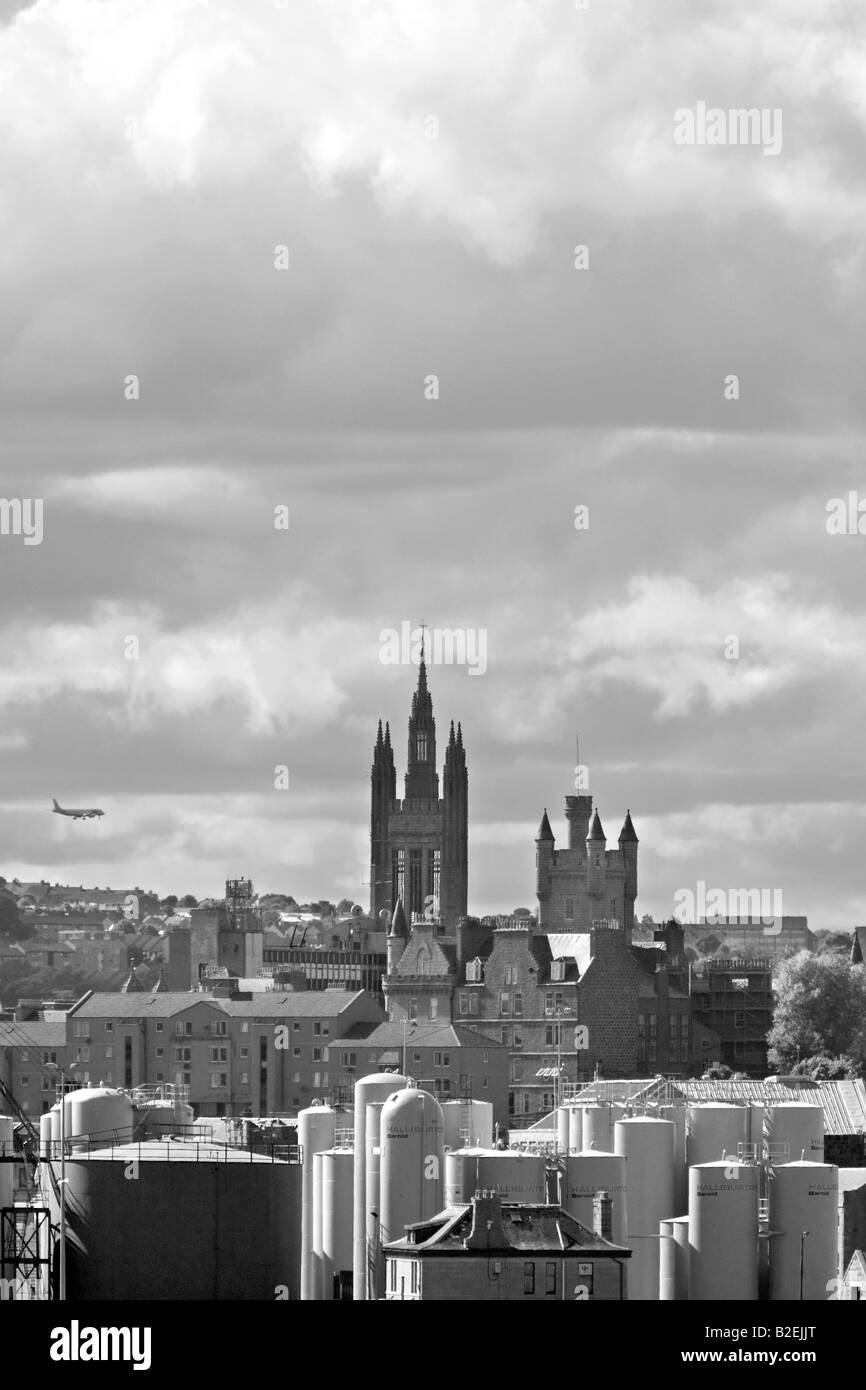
pixel 802 1260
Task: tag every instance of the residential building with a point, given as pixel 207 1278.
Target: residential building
pixel 28 1052
pixel 449 1060
pixel 490 1250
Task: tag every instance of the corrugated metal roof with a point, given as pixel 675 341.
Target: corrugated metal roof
pixel 843 1102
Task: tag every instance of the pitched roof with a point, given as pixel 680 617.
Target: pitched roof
pixel 423 1035
pixel 32 1034
pixel 140 1005
pixel 595 830
pixel 524 1226
pixel 628 831
pixel 307 1003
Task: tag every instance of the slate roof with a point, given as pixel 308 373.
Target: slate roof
pixel 525 1227
pixel 424 1035
pixel 49 1035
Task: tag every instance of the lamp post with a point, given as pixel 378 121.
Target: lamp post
pixel 802 1260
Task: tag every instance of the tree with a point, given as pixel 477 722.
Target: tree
pixel 188 900
pixel 11 926
pixel 170 903
pixel 820 1010
pixel 833 942
pixel 824 1068
pixel 719 1071
pixel 344 907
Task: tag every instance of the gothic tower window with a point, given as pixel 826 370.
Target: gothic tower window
pixel 421 747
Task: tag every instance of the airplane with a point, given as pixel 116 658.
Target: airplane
pixel 78 814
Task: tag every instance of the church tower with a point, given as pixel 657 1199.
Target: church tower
pixel 418 845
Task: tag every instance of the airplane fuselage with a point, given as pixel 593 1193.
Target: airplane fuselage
pixel 77 812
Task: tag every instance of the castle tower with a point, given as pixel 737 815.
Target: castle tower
pixel 419 846
pixel 596 842
pixel 544 856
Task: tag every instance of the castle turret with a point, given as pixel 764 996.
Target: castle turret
pixel 544 856
pixel 397 936
pixel 578 810
pixel 628 843
pixel 596 842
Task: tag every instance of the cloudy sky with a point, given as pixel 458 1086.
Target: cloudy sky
pixel 430 170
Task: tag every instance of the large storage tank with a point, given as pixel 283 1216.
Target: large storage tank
pixel 723 1232
pixel 155 1118
pixel 597 1127
pixel 411 1162
pixel 800 1127
pixel 588 1173
pixel 562 1126
pixel 141 1226
pixel 714 1132
pixel 648 1148
pixel 677 1114
pixel 7 1168
pixel 674 1260
pixel 468 1124
pixel 98 1115
pixel 374 1261
pixel 517 1177
pixel 378 1086
pixel 575 1129
pixel 316 1128
pixel 337 1195
pixel 803 1198
pixel 46 1125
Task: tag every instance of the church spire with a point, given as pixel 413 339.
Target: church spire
pixel 422 779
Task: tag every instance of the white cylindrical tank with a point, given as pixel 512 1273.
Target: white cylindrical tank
pixel 412 1160
pixel 597 1125
pixel 803 1198
pixel 337 1191
pixel 316 1128
pixel 723 1231
pixel 590 1172
pixel 45 1128
pixel 98 1116
pixel 674 1260
pixel 575 1129
pixel 562 1123
pixel 517 1177
pixel 678 1116
pixel 372 1159
pixel 316 1283
pixel 7 1167
pixel 378 1086
pixel 800 1127
pixel 648 1148
pixel 468 1124
pixel 714 1131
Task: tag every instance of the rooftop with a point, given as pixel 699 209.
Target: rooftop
pixel 516 1227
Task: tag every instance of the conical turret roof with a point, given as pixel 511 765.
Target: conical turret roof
pixel 595 830
pixel 398 921
pixel 544 830
pixel 628 830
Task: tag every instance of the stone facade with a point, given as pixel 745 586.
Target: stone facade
pixel 585 881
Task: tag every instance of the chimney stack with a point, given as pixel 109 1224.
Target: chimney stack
pixel 602 1215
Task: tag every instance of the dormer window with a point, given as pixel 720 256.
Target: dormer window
pixel 474 971
pixel 557 970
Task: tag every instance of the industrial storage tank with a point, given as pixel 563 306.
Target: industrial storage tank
pixel 316 1128
pixel 714 1131
pixel 803 1199
pixel 46 1125
pixel 141 1225
pixel 588 1173
pixel 156 1117
pixel 371 1157
pixel 378 1086
pixel 597 1127
pixel 723 1231
pixel 676 1113
pixel 98 1115
pixel 412 1160
pixel 468 1124
pixel 674 1260
pixel 575 1129
pixel 516 1176
pixel 562 1126
pixel 800 1127
pixel 336 1171
pixel 648 1148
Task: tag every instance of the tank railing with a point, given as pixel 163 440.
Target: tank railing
pixel 344 1138
pixel 748 1153
pixel 777 1153
pixel 170 1090
pixel 179 1147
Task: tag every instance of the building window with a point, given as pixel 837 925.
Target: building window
pixel 109 1078
pixel 296 1052
pixel 550 1276
pixel 446 1059
pixel 244 1053
pixel 245 1028
pixel 48 1057
pixel 109 1053
pixel 416 1058
pixel 160 1076
pixel 160 1028
pixel 413 1009
pixel 739 1020
pixel 510 975
pixel 296 1027
pixel 109 1027
pixel 296 1078
pixel 434 1008
pixel 219 1054
pixel 24 1081
pixel 245 1078
pixel 218 1079
pixel 437 1059
pixel 317 1030
pixel 484 1083
pixel 506 1037
pixel 529 1278
pixel 464 1005
pixel 474 971
pixel 517 1070
pixel 569 909
pixel 505 1001
pixel 317 1054
pixel 160 1052
pixel 549 1035
pixel 415 893
pixel 218 1030
pixel 485 1057
pixel 421 747
pixel 398 875
pixel 518 1002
